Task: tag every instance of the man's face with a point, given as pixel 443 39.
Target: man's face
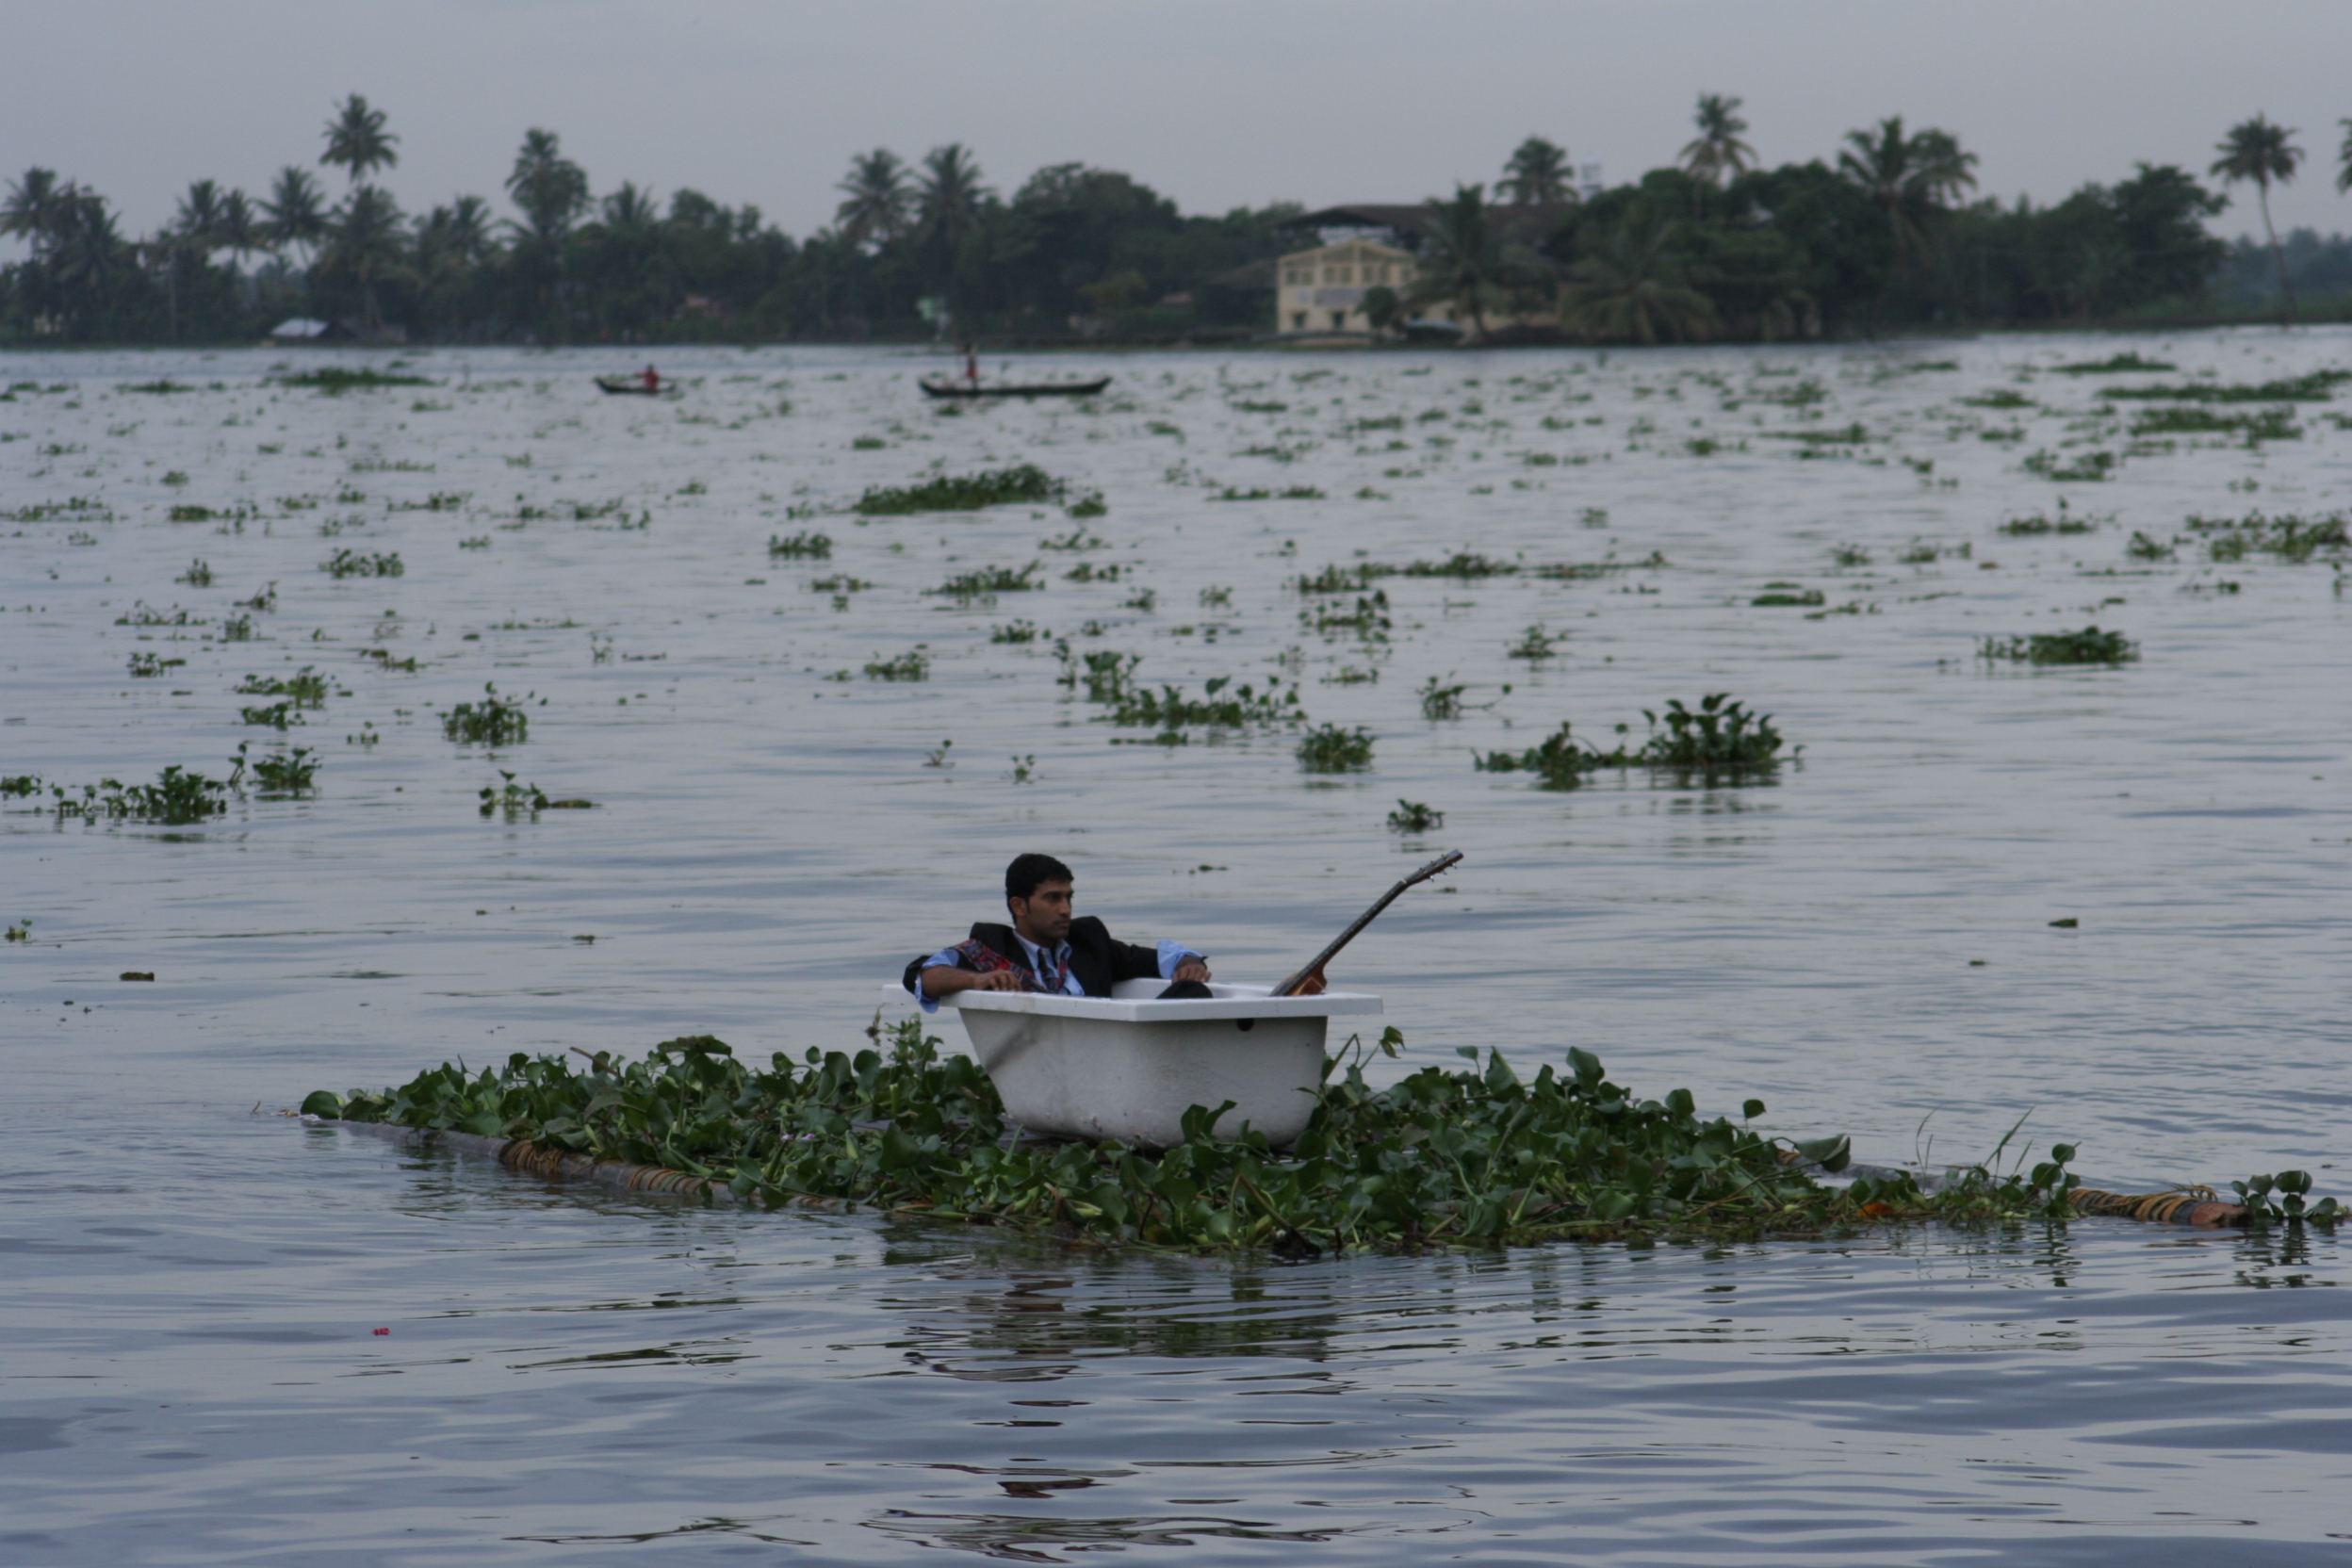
pixel 1043 917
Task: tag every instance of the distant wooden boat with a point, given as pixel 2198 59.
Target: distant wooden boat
pixel 940 387
pixel 636 385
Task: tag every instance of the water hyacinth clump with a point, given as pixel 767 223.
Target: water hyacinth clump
pixel 2316 387
pixel 2089 645
pixel 914 665
pixel 1560 763
pixel 1719 741
pixel 982 582
pixel 2270 424
pixel 2289 536
pixel 307 687
pixel 495 721
pixel 178 796
pixel 2028 528
pixel 962 492
pixel 804 546
pixel 350 563
pixel 2113 364
pixel 1334 748
pixel 1413 816
pixel 1220 706
pixel 1717 736
pixel 1442 700
pixel 1475 1155
pixel 279 772
pixel 335 380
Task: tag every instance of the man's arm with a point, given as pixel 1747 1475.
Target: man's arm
pixel 1167 961
pixel 942 980
pixel 944 974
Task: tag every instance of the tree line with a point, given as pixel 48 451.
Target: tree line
pixel 1885 234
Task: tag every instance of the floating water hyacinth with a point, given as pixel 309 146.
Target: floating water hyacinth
pixel 493 721
pixel 2089 645
pixel 962 492
pixel 1720 741
pixel 1473 1156
pixel 1331 748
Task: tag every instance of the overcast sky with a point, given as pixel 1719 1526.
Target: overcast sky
pixel 1214 103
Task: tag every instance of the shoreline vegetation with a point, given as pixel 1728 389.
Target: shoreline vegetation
pixel 1882 235
pixel 1475 1156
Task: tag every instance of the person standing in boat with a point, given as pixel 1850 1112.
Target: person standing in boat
pixel 652 378
pixel 1046 950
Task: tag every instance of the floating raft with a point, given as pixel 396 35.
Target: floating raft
pixel 554 1165
pixel 2191 1205
pixel 2180 1206
pixel 2195 1205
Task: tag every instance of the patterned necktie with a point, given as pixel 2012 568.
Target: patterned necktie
pixel 1053 971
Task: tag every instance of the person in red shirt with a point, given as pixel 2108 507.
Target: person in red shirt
pixel 652 378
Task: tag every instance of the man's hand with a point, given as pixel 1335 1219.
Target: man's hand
pixel 943 980
pixel 1191 969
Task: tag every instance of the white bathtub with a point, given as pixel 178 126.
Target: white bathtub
pixel 1128 1067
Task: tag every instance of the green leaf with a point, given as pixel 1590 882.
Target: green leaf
pixel 1830 1155
pixel 325 1102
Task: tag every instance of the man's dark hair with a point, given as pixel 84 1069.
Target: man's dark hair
pixel 1023 876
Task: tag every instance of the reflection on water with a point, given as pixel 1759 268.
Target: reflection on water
pixel 1865 942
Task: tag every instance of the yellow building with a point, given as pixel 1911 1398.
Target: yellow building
pixel 1323 290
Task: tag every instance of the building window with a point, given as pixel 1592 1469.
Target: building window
pixel 1297 320
pixel 1339 321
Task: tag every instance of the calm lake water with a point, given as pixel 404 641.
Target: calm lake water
pixel 191 1373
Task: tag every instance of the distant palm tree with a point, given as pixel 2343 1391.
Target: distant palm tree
pixel 357 141
pixel 1462 259
pixel 453 238
pixel 630 208
pixel 296 213
pixel 948 196
pixel 239 229
pixel 1717 149
pixel 465 230
pixel 2343 160
pixel 1537 174
pixel 36 209
pixel 74 236
pixel 367 243
pixel 198 220
pixel 1634 289
pixel 2259 151
pixel 1912 178
pixel 549 187
pixel 876 198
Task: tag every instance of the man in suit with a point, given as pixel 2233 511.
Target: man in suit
pixel 1046 950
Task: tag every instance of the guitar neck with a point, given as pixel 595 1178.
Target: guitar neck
pixel 1289 986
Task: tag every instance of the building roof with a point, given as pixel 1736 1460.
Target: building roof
pixel 1250 276
pixel 1529 224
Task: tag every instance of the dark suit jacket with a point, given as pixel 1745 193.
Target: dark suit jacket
pixel 1096 959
